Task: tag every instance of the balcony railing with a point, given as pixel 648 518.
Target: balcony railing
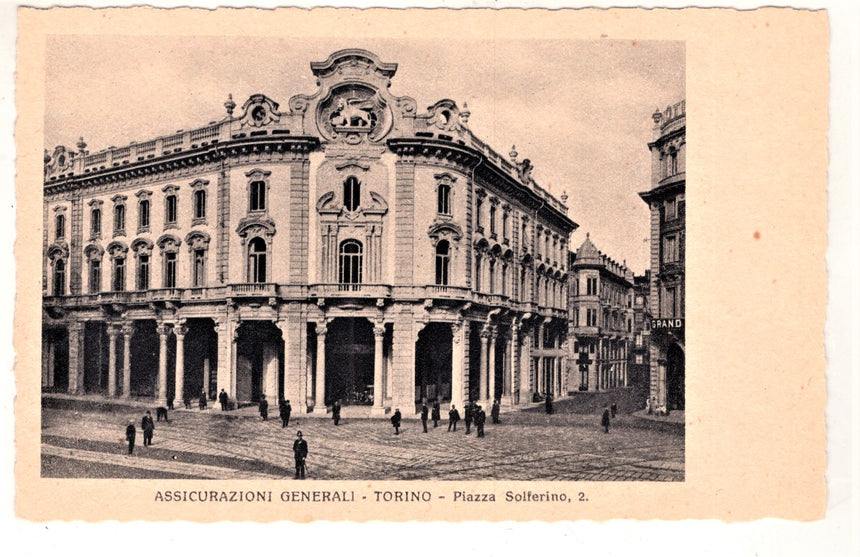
pixel 253 289
pixel 350 290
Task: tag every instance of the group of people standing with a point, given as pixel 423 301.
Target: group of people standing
pixel 473 413
pixel 148 427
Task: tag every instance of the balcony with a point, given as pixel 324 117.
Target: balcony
pixel 165 294
pixel 489 299
pixel 252 290
pixel 353 290
pixel 586 331
pixel 445 292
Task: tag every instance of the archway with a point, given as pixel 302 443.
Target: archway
pixel 259 361
pixel 349 361
pixel 433 363
pixel 675 378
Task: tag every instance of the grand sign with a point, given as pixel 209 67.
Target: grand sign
pixel 667 324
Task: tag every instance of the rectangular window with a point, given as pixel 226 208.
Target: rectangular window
pixel 119 274
pixel 575 319
pixel 170 209
pixel 258 196
pixel 96 222
pixel 170 270
pixel 143 273
pixel 639 359
pixel 670 249
pixel 119 218
pixel 95 276
pixel 478 204
pixel 143 214
pixel 199 204
pixel 199 267
pixel 669 301
pixel 505 225
pixel 671 209
pixel 492 220
pixel 591 286
pixel 61 226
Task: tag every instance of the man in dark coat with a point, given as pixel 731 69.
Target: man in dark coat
pixel 614 408
pixel 130 434
pixel 223 399
pixel 437 415
pixel 453 417
pixel 186 400
pixel 604 421
pixel 548 403
pixel 264 408
pixel 395 421
pixel 202 400
pixel 300 452
pixel 480 419
pixel 148 426
pixel 285 410
pixel 494 412
pixel 335 412
pixel 424 413
pixel 470 413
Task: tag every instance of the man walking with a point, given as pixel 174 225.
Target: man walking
pixel 285 410
pixel 437 415
pixel 202 400
pixel 548 403
pixel 300 452
pixel 470 413
pixel 395 421
pixel 480 418
pixel 424 412
pixel 335 412
pixel 148 426
pixel 494 412
pixel 130 433
pixel 604 421
pixel 264 408
pixel 223 399
pixel 453 418
pixel 613 409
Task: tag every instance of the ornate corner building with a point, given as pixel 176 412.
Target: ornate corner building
pixel 667 203
pixel 601 300
pixel 347 248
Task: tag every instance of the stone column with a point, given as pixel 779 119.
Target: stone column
pixel 161 386
pixel 458 363
pixel 112 334
pixel 378 389
pixel 319 390
pixel 45 349
pixel 126 360
pixel 180 331
pixel 223 373
pixel 207 376
pixel 52 361
pixel 491 363
pixel 482 383
pixel 76 357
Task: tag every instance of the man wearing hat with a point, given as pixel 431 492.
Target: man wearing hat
pixel 300 452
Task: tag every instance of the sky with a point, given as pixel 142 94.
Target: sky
pixel 579 110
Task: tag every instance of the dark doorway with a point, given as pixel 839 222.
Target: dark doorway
pixel 60 340
pixel 349 361
pixel 675 378
pixel 475 363
pixel 200 352
pixel 259 346
pixel 144 358
pixel 433 363
pixel 95 357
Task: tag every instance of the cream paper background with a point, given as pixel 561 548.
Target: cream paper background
pixel 757 86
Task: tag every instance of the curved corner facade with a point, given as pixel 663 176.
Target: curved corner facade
pixel 346 247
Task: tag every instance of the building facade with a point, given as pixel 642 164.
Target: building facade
pixel 666 199
pixel 639 376
pixel 601 322
pixel 349 247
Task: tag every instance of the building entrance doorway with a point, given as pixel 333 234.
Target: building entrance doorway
pixel 675 378
pixel 433 363
pixel 349 361
pixel 259 357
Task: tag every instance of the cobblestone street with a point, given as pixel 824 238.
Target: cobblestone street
pixel 527 445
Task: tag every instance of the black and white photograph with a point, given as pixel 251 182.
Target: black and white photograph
pixel 427 262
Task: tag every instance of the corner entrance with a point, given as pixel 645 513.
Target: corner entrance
pixel 433 363
pixel 349 361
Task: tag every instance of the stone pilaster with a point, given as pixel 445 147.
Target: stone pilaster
pixel 298 224
pixel 180 330
pixel 403 373
pixel 404 219
pixel 319 388
pixel 378 390
pixel 76 358
pixel 485 356
pixel 222 244
pixel 112 332
pixel 161 385
pixel 127 331
pixel 491 368
pixel 459 363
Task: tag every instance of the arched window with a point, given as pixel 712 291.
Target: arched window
pixel 443 260
pixel 143 272
pixel 351 193
pixel 96 222
pixel 61 226
pixel 350 262
pixel 444 199
pixel 119 219
pixel 143 215
pixel 200 204
pixel 257 252
pixel 59 277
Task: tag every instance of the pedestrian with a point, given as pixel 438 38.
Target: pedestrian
pixel 300 452
pixel 604 421
pixel 130 433
pixel 453 418
pixel 335 412
pixel 223 399
pixel 202 400
pixel 470 413
pixel 148 427
pixel 186 400
pixel 424 412
pixel 548 403
pixel 652 406
pixel 395 421
pixel 286 410
pixel 170 403
pixel 437 415
pixel 480 419
pixel 614 409
pixel 494 412
pixel 264 408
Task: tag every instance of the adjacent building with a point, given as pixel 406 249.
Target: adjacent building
pixel 348 246
pixel 601 322
pixel 666 201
